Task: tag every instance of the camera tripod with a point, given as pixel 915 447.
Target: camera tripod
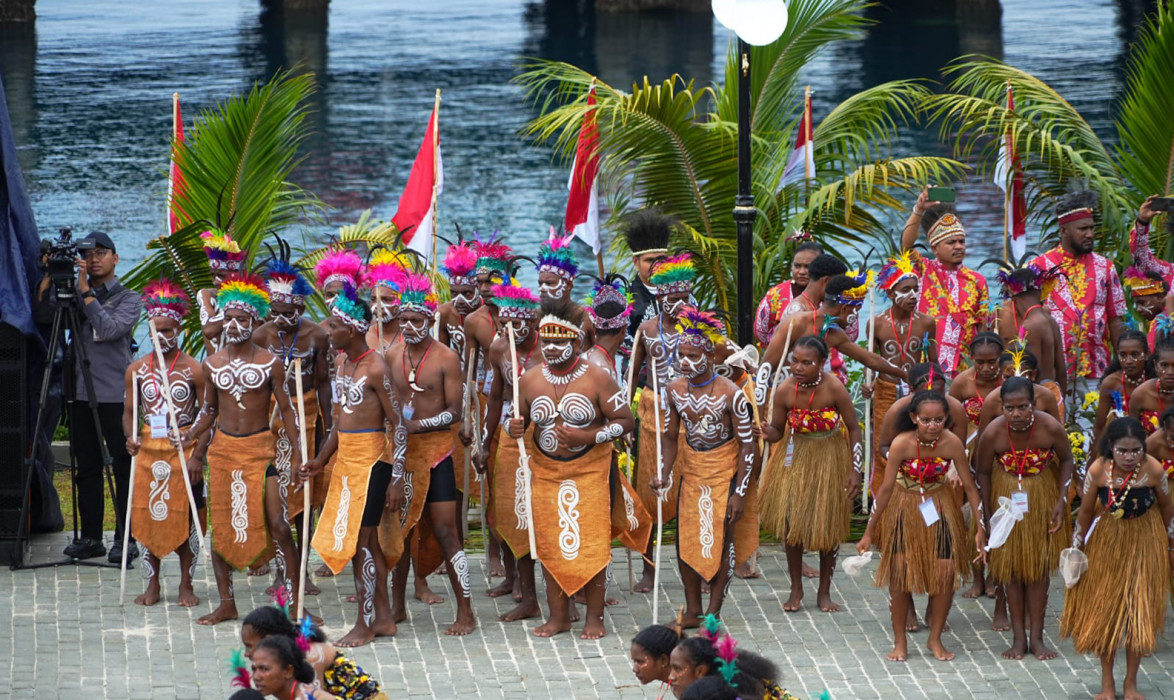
pixel 66 315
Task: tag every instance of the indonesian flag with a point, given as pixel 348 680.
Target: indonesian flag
pixel 582 219
pixel 801 165
pixel 416 213
pixel 175 177
pixel 1009 173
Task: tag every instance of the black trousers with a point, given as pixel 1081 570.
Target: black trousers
pixel 91 482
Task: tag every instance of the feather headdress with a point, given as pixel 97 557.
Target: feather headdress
pixel 460 260
pixel 673 275
pixel 1140 284
pixel 613 291
pixel 240 670
pixel 554 327
pixel 647 232
pixel 244 292
pixel 854 296
pixel 305 634
pixel 898 268
pixel 340 266
pixel 388 269
pixel 557 257
pixel 286 283
pixel 349 309
pixel 165 298
pixel 418 296
pixel 514 300
pixel 492 255
pixel 224 254
pixel 699 328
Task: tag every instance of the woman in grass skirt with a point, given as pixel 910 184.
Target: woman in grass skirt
pixel 923 543
pixel 1126 528
pixel 805 497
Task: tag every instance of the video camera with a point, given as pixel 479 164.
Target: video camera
pixel 62 254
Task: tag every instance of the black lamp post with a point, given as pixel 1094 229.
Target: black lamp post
pixel 744 211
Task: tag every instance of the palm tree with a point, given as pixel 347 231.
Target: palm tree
pixel 236 166
pixel 673 145
pixel 1056 144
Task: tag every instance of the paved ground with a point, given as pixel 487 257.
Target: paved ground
pixel 69 638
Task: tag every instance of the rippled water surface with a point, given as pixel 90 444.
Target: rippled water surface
pixel 89 88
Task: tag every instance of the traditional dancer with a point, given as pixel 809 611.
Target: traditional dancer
pixel 387 272
pixel 335 270
pixel 160 516
pixel 650 653
pixel 1130 369
pixel 647 234
pixel 225 258
pixel 952 293
pixel 1023 319
pixel 1160 445
pixel 808 487
pixel 1151 398
pixel 1148 291
pixel 821 271
pixel 460 261
pixel 923 543
pixel 1125 556
pixel 518 307
pixel 1019 363
pixel 239 381
pixel 716 458
pixel 778 297
pixel 557 268
pixel 1087 301
pixel 1030 480
pixel 426 378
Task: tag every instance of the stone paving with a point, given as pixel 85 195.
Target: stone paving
pixel 69 639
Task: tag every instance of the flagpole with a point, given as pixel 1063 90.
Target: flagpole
pixel 435 174
pixel 1007 188
pixel 171 165
pixel 808 166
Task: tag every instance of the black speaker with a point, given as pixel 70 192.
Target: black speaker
pixel 14 429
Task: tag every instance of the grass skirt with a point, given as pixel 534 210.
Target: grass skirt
pixel 911 552
pixel 1122 596
pixel 1029 553
pixel 884 395
pixel 805 504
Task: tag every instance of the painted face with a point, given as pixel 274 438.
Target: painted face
pixel 1018 409
pixel 1149 305
pixel 330 291
pixel 268 675
pixel 1128 453
pixel 521 330
pixel 806 364
pixel 284 316
pixel 682 672
pixel 647 668
pixel 986 363
pixel 1166 370
pixel 557 352
pixel 465 297
pixel 906 294
pixel 385 305
pixel 930 420
pixel 673 304
pixel 167 331
pixel 339 332
pixel 1132 355
pixel 238 326
pixel 414 327
pixel 551 286
pixel 692 361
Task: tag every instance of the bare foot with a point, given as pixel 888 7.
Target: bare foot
pixel 149 596
pixel 426 594
pixel 911 622
pixel 810 571
pixel 939 650
pixel 1131 692
pixel 1108 691
pixel 550 629
pixel 504 588
pixel 608 602
pixel 1000 623
pixel 324 572
pixel 1016 651
pixel 226 611
pixel 689 621
pixel 398 614
pixel 262 570
pixel 794 602
pixel 357 637
pixel 574 612
pixel 974 591
pixel 826 605
pixel 496 569
pixel 992 591
pixel 465 624
pixel 593 629
pixel 746 570
pixel 644 585
pixel 900 652
pixel 385 629
pixel 1045 653
pixel 352 598
pixel 311 588
pixel 523 611
pixel 187 597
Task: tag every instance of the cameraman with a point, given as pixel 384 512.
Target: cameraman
pixel 109 313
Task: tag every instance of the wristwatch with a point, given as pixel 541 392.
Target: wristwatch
pixel 89 294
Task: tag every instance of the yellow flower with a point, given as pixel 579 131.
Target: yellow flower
pixel 1090 400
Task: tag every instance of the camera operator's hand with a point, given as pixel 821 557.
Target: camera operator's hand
pixel 83 276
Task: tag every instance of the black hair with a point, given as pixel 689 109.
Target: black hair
pixel 699 651
pixel 269 621
pixel 838 285
pixel 1027 362
pixel 932 214
pixel 905 423
pixel 1119 429
pixel 825 265
pixel 648 229
pixel 984 339
pixel 364 310
pixel 1138 336
pixel 657 640
pixel 1014 384
pixel 247 694
pixel 710 688
pixel 919 374
pixel 1167 416
pixel 754 671
pixel 814 343
pixel 808 246
pixel 288 654
pixel 1086 199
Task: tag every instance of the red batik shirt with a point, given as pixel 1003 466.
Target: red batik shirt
pixel 1083 300
pixel 770 310
pixel 957 299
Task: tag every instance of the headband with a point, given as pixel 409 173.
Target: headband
pixel 947 226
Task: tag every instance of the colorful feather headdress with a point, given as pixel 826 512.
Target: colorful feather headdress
pixel 613 290
pixel 286 283
pixel 224 254
pixel 167 299
pixel 897 269
pixel 460 260
pixel 725 646
pixel 1140 284
pixel 699 328
pixel 241 678
pixel 418 296
pixel 340 266
pixel 673 275
pixel 389 269
pixel 245 292
pixel 514 300
pixel 348 308
pixel 492 255
pixel 854 296
pixel 557 257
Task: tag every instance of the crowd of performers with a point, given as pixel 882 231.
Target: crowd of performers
pixel 576 424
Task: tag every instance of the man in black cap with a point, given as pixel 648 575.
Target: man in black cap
pixel 109 312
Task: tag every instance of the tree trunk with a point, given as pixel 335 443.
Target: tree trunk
pixel 18 10
pixel 643 5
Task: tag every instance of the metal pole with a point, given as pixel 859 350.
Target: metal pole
pixel 744 211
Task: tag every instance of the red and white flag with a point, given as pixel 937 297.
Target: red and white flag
pixel 582 219
pixel 1009 178
pixel 416 213
pixel 174 177
pixel 801 165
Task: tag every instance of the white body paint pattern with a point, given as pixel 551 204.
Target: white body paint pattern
pixel 705 509
pixel 150 387
pixel 240 509
pixel 409 493
pixel 705 419
pixel 568 519
pixel 368 574
pixel 460 566
pixel 520 511
pixel 340 519
pixel 348 391
pixel 160 491
pixel 238 377
pixel 655 346
pixel 630 511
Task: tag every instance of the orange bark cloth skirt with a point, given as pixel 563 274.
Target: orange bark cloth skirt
pixel 911 551
pixel 701 505
pixel 337 534
pixel 508 496
pixel 572 527
pixel 425 451
pixel 631 523
pixel 884 395
pixel 1030 552
pixel 159 516
pixel 236 476
pixel 646 462
pixel 1121 598
pixel 804 503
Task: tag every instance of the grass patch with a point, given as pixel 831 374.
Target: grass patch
pixel 61 481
